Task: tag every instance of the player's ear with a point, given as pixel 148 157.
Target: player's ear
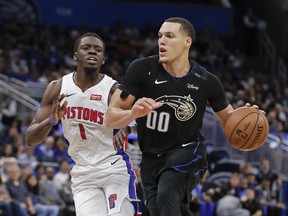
pixel 188 42
pixel 103 62
pixel 75 56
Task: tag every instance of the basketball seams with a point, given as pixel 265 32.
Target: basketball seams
pixel 246 134
pixel 253 131
pixel 266 129
pixel 240 121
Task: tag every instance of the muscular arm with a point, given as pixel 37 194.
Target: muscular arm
pixel 224 114
pixel 119 113
pixel 122 111
pixel 40 125
pixel 112 90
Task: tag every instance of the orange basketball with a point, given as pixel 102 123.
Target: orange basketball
pixel 246 129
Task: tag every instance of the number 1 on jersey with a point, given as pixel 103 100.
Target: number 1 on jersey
pixel 82 131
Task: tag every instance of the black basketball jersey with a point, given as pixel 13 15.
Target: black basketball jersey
pixel 179 119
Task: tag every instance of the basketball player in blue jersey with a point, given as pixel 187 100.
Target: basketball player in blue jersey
pixel 102 180
pixel 167 95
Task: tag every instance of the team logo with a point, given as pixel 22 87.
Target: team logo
pixel 111 199
pixel 69 95
pixel 95 97
pixel 157 82
pixel 184 106
pixel 191 86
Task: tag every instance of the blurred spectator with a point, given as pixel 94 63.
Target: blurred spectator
pixel 267 198
pixel 8 206
pixel 233 186
pixel 48 190
pixel 202 202
pixel 48 75
pixel 26 170
pixel 5 164
pixel 230 205
pixel 250 203
pixel 40 172
pixel 252 183
pixel 41 208
pixel 246 169
pixel 276 113
pixel 8 109
pixel 27 157
pixel 61 150
pixel 278 130
pixel 4 66
pixel 284 99
pixel 243 185
pixel 45 151
pixel 12 136
pixel 151 41
pixel 8 151
pixel 62 176
pixel 237 63
pixel 265 172
pixel 18 64
pixel 19 192
pixel 114 70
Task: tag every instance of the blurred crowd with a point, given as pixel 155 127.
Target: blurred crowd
pixel 44 53
pixel 239 190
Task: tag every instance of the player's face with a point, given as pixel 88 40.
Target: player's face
pixel 173 43
pixel 90 53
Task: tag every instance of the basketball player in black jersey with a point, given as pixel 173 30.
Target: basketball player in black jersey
pixel 167 95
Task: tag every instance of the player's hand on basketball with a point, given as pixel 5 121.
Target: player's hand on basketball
pixel 119 138
pixel 58 108
pixel 143 106
pixel 255 106
pixel 247 128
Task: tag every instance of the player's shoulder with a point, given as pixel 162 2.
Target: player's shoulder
pixel 202 72
pixel 108 78
pixel 110 82
pixel 55 84
pixel 52 91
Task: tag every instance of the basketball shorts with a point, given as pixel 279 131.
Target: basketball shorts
pixel 100 189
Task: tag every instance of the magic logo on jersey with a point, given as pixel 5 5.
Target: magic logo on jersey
pixel 184 106
pixel 85 114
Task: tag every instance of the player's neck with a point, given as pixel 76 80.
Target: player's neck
pixel 177 68
pixel 86 81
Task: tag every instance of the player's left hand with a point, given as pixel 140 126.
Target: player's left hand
pixel 119 138
pixel 255 106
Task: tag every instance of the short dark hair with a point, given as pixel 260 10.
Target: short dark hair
pixel 88 34
pixel 186 26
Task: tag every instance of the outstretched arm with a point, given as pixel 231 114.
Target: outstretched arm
pixel 49 113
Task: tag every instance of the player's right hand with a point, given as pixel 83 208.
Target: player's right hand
pixel 143 106
pixel 58 111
